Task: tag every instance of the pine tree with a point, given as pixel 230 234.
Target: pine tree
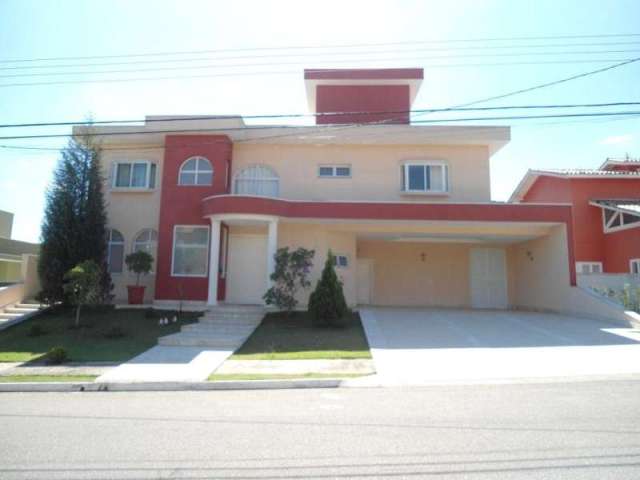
pixel 327 305
pixel 74 224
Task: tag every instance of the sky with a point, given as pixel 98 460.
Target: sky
pixel 424 34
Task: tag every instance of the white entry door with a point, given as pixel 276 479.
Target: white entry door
pixel 247 269
pixel 488 277
pixel 364 279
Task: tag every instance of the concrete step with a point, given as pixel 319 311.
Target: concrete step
pixel 9 316
pixel 19 310
pixel 35 306
pixel 212 330
pixel 224 322
pixel 238 308
pixel 184 339
pixel 232 315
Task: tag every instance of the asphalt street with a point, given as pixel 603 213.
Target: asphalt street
pixel 581 430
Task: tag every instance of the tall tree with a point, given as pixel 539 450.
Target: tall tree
pixel 74 225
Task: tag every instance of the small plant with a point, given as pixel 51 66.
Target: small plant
pixel 83 286
pixel 327 305
pixel 57 355
pixel 290 274
pixel 114 332
pixel 140 263
pixel 36 330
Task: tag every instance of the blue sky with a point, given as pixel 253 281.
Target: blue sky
pixel 43 29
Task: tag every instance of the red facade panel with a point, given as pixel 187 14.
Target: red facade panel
pixel 619 248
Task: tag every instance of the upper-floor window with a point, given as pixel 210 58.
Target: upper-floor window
pixel 135 174
pixel 115 250
pixel 616 220
pixel 196 171
pixel 146 241
pixel 334 171
pixel 257 180
pixel 425 177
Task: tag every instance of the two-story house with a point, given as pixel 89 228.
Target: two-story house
pixel 406 209
pixel 606 211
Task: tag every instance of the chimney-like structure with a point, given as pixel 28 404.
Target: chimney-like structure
pixel 383 95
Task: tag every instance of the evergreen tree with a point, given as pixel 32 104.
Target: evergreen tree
pixel 327 305
pixel 74 224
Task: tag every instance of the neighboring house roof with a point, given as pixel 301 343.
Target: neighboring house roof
pixel 532 175
pixel 631 206
pixel 611 163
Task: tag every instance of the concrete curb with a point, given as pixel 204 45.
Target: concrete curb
pixel 167 386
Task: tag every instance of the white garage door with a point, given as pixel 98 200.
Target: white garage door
pixel 247 275
pixel 488 276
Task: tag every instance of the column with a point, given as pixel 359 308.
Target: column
pixel 214 260
pixel 272 247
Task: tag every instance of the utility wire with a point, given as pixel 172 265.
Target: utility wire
pixel 318 115
pixel 313 47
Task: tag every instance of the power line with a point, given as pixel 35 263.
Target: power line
pixel 300 62
pixel 317 115
pixel 311 47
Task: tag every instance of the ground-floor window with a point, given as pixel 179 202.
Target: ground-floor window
pixel 588 267
pixel 634 266
pixel 341 261
pixel 115 251
pixel 190 251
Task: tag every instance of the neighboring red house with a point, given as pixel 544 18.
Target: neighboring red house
pixel 606 211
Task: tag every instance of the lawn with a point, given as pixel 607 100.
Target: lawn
pixel 282 337
pixel 90 343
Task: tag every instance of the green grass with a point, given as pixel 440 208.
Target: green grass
pixel 282 337
pixel 47 378
pixel 87 344
pixel 275 376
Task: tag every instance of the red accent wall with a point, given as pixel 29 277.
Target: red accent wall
pixel 363 98
pixel 181 205
pixel 591 243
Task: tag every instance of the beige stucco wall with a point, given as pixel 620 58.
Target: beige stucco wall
pixel 131 212
pixel 6 224
pixel 376 172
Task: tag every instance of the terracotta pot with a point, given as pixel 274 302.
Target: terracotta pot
pixel 135 294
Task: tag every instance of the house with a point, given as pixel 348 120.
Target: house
pixel 606 212
pixel 406 208
pixel 18 273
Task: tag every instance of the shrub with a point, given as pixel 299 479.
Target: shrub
pixel 327 305
pixel 57 355
pixel 290 274
pixel 36 330
pixel 83 286
pixel 139 263
pixel 114 332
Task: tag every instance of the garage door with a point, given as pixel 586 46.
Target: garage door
pixel 488 277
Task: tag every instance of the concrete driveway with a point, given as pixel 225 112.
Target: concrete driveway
pixel 422 346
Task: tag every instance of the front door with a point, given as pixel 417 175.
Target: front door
pixel 247 269
pixel 364 278
pixel 488 278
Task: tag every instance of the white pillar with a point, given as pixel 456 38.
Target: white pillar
pixel 272 247
pixel 214 260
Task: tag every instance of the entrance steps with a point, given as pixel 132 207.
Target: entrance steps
pixel 16 313
pixel 222 327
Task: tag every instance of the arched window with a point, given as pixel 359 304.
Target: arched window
pixel 196 171
pixel 257 180
pixel 115 251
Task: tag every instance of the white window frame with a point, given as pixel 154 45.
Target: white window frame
pixel 131 163
pixel 111 242
pixel 617 214
pixel 275 179
pixel 590 266
pixel 337 257
pixel 426 191
pixel 152 243
pixel 196 172
pixel 173 252
pixel 632 262
pixel 334 171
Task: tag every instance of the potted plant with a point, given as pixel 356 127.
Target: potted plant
pixel 139 263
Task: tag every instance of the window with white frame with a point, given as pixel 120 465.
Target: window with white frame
pixel 617 220
pixel 334 171
pixel 257 180
pixel 425 177
pixel 190 251
pixel 140 174
pixel 196 171
pixel 340 261
pixel 586 268
pixel 634 266
pixel 146 241
pixel 115 251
